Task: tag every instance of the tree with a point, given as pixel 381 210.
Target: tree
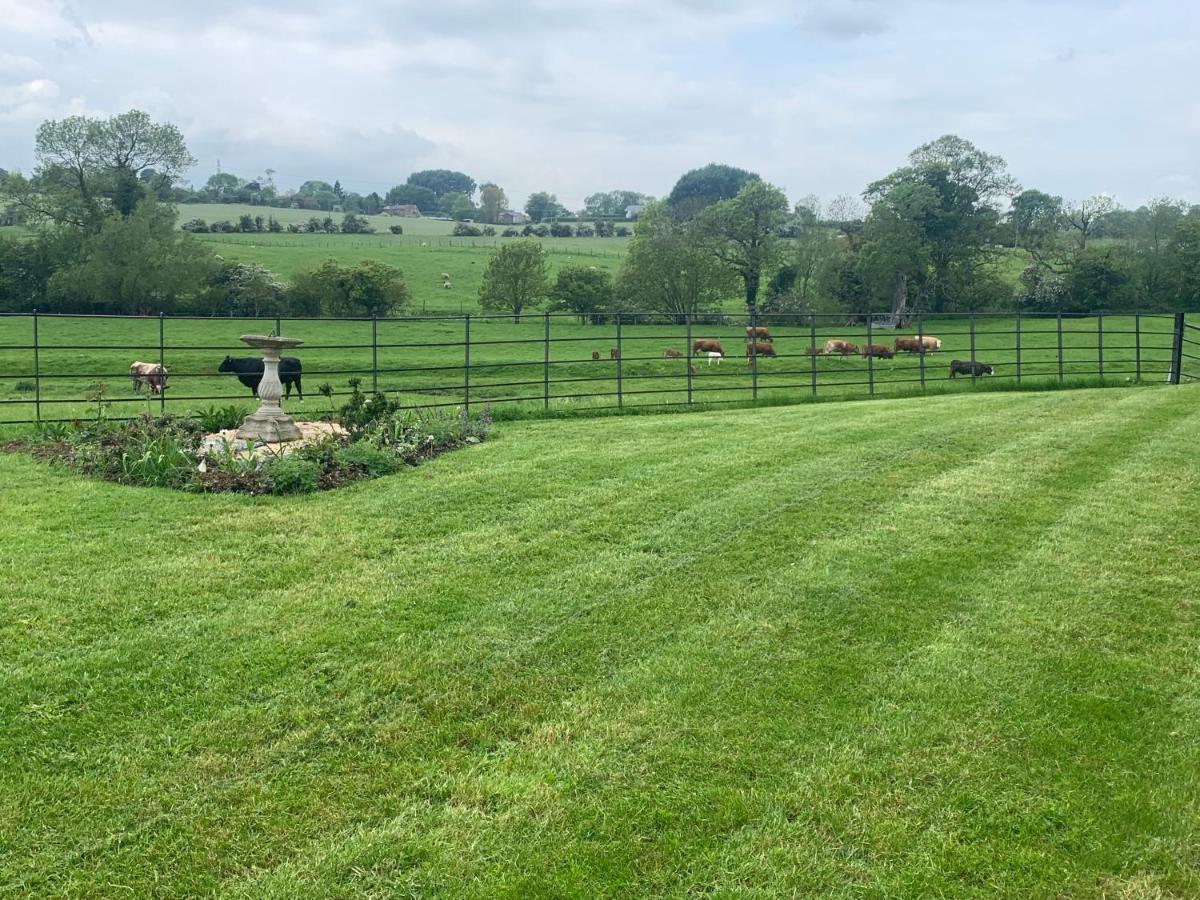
pixel 352 224
pixel 337 189
pixel 457 206
pixel 89 167
pixel 443 181
pixel 245 289
pixel 1184 262
pixel 671 267
pixel 1037 220
pixel 1086 215
pixel 542 206
pixel 222 185
pixel 1098 280
pixel 965 164
pixel 515 277
pixel 613 203
pixel 492 202
pixel 312 188
pixel 370 288
pixel 705 186
pixel 421 197
pixel 140 264
pixel 584 290
pixel 744 233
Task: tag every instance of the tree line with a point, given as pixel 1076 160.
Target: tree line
pixel 950 231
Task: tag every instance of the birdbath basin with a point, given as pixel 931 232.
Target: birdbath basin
pixel 270 423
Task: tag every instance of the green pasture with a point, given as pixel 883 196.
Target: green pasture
pixel 424 361
pixel 929 647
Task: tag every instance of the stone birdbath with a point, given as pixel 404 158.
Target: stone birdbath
pixel 270 424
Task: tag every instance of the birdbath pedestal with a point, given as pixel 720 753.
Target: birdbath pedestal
pixel 270 424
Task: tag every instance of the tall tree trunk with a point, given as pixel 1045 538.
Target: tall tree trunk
pixel 899 300
pixel 752 282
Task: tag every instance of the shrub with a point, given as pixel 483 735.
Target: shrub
pixel 621 231
pixel 373 460
pixel 510 232
pixel 396 229
pixel 219 418
pixel 273 225
pixel 291 475
pixel 585 230
pixel 194 225
pixel 561 229
pixel 541 231
pixel 24 387
pixel 603 228
pixel 463 229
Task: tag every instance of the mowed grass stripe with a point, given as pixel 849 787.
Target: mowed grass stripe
pixel 677 666
pixel 619 705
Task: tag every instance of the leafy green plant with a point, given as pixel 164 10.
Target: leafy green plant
pixel 219 418
pixel 371 459
pixel 24 387
pixel 291 475
pixel 97 393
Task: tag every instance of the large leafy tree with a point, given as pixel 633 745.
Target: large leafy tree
pixel 965 164
pixel 443 181
pixel 743 233
pixel 421 197
pixel 671 267
pixel 1037 220
pixel 87 168
pixel 370 288
pixel 613 203
pixel 492 202
pixel 542 206
pixel 515 278
pixel 584 290
pixel 705 186
pixel 1184 262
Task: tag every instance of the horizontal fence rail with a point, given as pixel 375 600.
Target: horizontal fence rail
pixel 60 367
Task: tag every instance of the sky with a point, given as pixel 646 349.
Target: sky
pixel 817 96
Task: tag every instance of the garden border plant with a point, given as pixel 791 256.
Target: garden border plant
pixel 169 451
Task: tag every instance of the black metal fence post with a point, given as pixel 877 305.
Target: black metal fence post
pixel 1100 344
pixel 278 327
pixel 1060 350
pixel 921 347
pixel 973 375
pixel 1137 346
pixel 753 346
pixel 375 354
pixel 1018 346
pixel 620 392
pixel 812 334
pixel 546 362
pixel 687 356
pixel 162 363
pixel 1176 350
pixel 37 371
pixel 870 358
pixel 467 362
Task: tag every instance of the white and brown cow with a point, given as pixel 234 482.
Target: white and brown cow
pixel 152 375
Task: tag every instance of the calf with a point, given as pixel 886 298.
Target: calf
pixel 672 353
pixel 152 375
pixel 595 354
pixel 756 348
pixel 249 371
pixel 757 334
pixel 614 353
pixel 706 345
pixel 713 354
pixel 845 348
pixel 969 367
pixel 882 351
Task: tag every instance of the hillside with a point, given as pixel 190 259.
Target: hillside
pixel 942 646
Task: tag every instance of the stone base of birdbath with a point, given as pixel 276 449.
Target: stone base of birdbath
pixel 270 423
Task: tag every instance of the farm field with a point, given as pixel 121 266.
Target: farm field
pixel 518 372
pixel 926 647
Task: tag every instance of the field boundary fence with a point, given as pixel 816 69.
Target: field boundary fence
pixel 59 367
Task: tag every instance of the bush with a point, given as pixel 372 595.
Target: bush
pixel 489 231
pixel 24 387
pixel 396 229
pixel 560 230
pixel 194 225
pixel 273 225
pixel 621 231
pixel 219 418
pixel 291 475
pixel 585 230
pixel 352 224
pixel 510 232
pixel 463 229
pixel 373 460
pixel 603 228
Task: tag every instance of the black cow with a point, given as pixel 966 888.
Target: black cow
pixel 249 371
pixel 969 367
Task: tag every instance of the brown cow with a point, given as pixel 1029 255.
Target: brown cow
pixel 845 348
pixel 706 345
pixel 614 353
pixel 758 333
pixel 672 353
pixel 595 354
pixel 756 348
pixel 883 351
pixel 152 375
pixel 908 345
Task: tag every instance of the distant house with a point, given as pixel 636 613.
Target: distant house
pixel 512 217
pixel 406 210
pixel 634 210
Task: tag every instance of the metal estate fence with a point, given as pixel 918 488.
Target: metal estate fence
pixel 58 367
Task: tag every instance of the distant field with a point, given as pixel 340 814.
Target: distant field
pixel 938 647
pixel 422 361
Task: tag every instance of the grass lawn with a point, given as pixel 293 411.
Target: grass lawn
pixel 423 361
pixel 925 647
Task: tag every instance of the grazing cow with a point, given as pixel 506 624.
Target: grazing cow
pixel 969 367
pixel 845 348
pixel 882 351
pixel 672 353
pixel 152 375
pixel 713 354
pixel 908 345
pixel 931 344
pixel 446 280
pixel 758 334
pixel 756 348
pixel 614 353
pixel 595 354
pixel 249 371
pixel 706 345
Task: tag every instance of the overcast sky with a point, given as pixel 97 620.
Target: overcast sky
pixel 1080 96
